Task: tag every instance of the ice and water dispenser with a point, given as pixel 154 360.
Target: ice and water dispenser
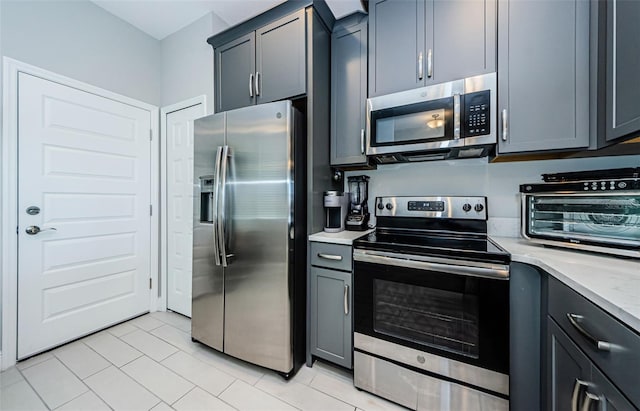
pixel 207 184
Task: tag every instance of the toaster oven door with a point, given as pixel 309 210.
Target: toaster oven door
pixel 601 219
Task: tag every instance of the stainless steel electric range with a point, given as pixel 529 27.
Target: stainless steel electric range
pixel 431 306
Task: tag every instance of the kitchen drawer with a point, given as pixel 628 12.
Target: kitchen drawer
pixel 334 256
pixel 620 358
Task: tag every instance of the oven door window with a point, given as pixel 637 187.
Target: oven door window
pixel 442 319
pixel 414 123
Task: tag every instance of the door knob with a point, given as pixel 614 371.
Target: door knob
pixel 34 229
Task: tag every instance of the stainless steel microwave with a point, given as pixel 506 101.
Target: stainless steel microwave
pixel 456 119
pixel 600 215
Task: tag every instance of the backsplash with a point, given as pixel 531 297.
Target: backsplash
pixel 476 177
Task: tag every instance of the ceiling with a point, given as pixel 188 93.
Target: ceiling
pixel 160 18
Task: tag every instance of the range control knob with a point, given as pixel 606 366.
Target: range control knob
pixel 380 205
pixel 389 206
pixel 479 207
pixel 466 207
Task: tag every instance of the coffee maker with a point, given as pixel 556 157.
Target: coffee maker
pixel 336 204
pixel 358 215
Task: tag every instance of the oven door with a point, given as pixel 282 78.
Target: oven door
pixel 456 311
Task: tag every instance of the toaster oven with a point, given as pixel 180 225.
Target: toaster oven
pixel 593 211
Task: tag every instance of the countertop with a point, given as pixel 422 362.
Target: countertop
pixel 612 283
pixel 343 237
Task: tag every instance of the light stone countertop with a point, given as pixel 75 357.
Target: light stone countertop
pixel 343 237
pixel 612 283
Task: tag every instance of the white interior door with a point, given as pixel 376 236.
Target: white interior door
pixel 179 132
pixel 84 161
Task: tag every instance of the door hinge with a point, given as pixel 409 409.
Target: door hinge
pixel 150 209
pixel 150 135
pixel 150 282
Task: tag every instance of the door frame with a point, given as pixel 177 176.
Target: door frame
pixel 9 184
pixel 164 223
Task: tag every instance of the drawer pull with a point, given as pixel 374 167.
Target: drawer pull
pixel 575 397
pixel 330 257
pixel 575 320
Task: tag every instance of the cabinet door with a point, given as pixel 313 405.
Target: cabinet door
pixel 235 67
pixel 331 330
pixel 623 60
pixel 281 58
pixel 348 95
pixel 543 85
pixel 568 368
pixel 461 37
pixel 607 393
pixel 396 43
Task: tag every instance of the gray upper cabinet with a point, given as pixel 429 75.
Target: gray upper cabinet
pixel 543 84
pixel 281 59
pixel 396 45
pixel 622 62
pixel 413 43
pixel 349 93
pixel 235 70
pixel 265 65
pixel 461 40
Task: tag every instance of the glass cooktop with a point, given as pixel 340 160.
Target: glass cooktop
pixel 467 246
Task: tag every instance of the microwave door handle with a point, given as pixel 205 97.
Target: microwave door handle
pixel 362 141
pixel 216 197
pixel 456 116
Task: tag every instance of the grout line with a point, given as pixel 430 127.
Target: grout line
pixel 32 387
pixel 186 393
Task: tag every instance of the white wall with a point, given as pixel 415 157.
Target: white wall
pixel 81 40
pixel 187 61
pixel 500 182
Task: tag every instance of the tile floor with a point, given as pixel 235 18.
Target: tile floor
pixel 150 363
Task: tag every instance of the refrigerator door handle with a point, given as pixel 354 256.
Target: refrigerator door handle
pixel 216 197
pixel 224 162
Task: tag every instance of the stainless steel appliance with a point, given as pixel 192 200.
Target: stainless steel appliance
pixel 336 204
pixel 431 306
pixel 593 210
pixel 358 217
pixel 449 120
pixel 249 280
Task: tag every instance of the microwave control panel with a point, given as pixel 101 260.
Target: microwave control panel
pixel 477 117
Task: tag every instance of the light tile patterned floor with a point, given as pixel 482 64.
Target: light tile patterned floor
pixel 151 363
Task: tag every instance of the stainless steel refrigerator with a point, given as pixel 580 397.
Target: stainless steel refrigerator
pixel 249 248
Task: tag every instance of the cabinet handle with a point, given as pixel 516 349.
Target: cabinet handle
pixel 588 399
pixel 362 141
pixel 251 85
pixel 505 130
pixel 420 67
pixel 575 319
pixel 577 387
pixel 257 83
pixel 346 299
pixel 330 257
pixel 430 63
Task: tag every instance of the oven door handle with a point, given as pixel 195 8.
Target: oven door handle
pixel 494 271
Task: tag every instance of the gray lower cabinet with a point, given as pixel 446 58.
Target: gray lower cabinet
pixel 349 91
pixel 265 65
pixel 622 62
pixel 592 359
pixel 543 85
pixel 330 304
pixel 413 43
pixel 568 367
